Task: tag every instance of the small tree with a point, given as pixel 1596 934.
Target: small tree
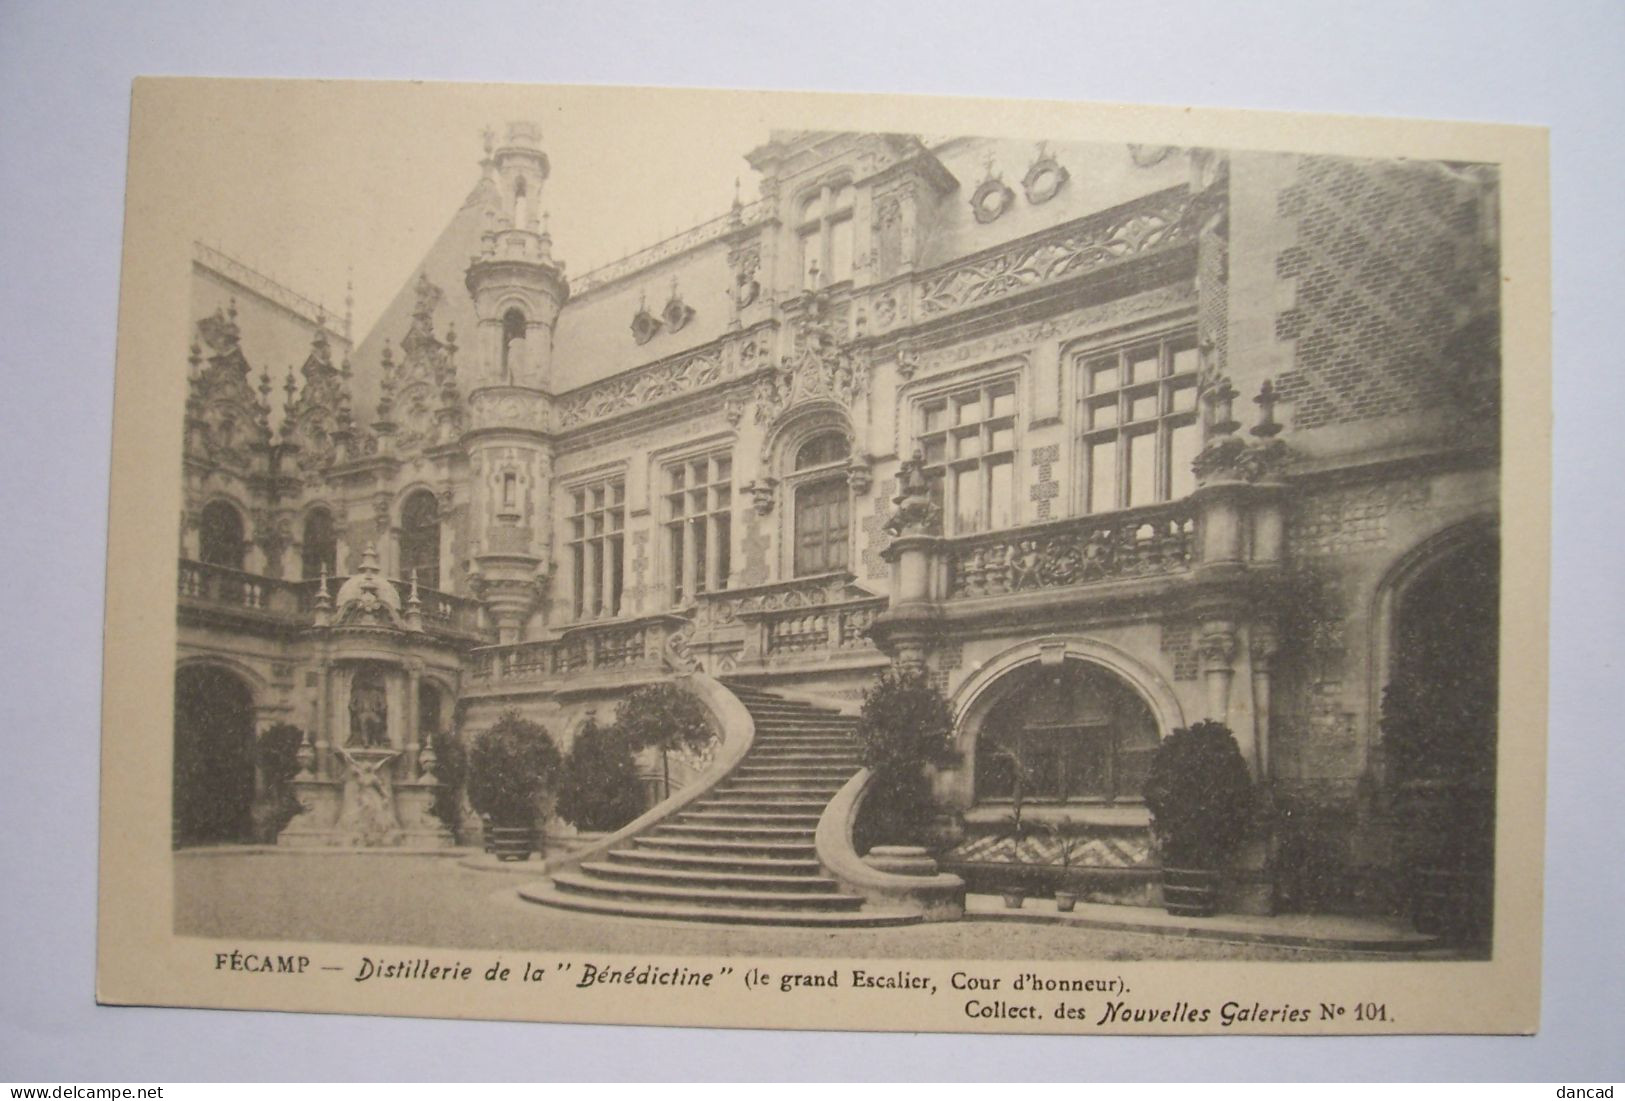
pixel 277 751
pixel 1200 795
pixel 510 768
pixel 905 727
pixel 599 787
pixel 451 769
pixel 663 717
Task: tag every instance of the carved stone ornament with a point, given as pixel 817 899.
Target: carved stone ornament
pixel 368 599
pixel 676 313
pixel 916 513
pixel 991 199
pixel 761 495
pixel 819 368
pixel 1045 177
pixel 644 324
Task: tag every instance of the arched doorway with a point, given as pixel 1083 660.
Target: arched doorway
pixel 214 757
pixel 1439 726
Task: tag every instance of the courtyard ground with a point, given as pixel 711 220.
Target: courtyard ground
pixel 431 901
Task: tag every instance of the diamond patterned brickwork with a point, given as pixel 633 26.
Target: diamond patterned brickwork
pixel 1045 489
pixel 1115 849
pixel 1349 519
pixel 875 538
pixel 1179 645
pixel 1383 258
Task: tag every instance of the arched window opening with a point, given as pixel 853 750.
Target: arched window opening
pixel 319 553
pixel 1066 733
pixel 821 450
pixel 520 209
pixel 220 536
pixel 825 232
pixel 513 341
pixel 420 539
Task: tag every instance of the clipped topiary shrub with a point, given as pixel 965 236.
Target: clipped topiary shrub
pixel 666 718
pixel 599 790
pixel 905 728
pixel 1200 795
pixel 511 767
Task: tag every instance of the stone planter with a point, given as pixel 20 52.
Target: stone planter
pixel 510 842
pixel 1014 897
pixel 1190 892
pixel 1065 901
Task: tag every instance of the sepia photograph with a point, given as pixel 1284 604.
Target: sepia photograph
pixel 926 561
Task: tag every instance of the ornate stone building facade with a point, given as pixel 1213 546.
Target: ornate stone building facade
pixel 1108 438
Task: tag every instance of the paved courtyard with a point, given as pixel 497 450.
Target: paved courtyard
pixel 430 901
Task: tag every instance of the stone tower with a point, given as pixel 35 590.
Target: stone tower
pixel 517 290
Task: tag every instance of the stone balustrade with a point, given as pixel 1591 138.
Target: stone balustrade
pixel 1156 539
pixel 623 646
pixel 201 585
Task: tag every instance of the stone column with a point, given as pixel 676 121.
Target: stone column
pixel 1263 643
pixel 414 674
pixel 1216 641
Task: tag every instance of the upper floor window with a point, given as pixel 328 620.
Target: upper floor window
pixel 220 535
pixel 420 539
pixel 597 547
pixel 1140 430
pixel 822 504
pixel 513 341
pixel 968 441
pixel 699 525
pixel 319 550
pixel 824 226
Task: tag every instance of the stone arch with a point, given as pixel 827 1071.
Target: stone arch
pixel 976 697
pixel 420 528
pixel 1429 552
pixel 214 781
pixel 318 540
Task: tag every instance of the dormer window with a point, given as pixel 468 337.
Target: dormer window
pixel 824 225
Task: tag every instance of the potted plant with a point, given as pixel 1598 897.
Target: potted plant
pixel 904 730
pixel 1066 899
pixel 511 767
pixel 666 718
pixel 598 790
pixel 1200 795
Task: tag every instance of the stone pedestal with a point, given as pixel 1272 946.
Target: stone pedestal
pixel 314 827
pixel 414 808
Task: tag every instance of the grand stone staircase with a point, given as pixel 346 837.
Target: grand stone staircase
pixel 743 853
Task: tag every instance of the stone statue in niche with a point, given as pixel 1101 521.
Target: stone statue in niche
pixel 369 712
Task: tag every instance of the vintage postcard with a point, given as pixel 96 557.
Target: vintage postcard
pixel 830 562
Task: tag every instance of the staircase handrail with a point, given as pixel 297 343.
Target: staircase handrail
pixel 939 897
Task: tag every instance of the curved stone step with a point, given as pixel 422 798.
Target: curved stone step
pixel 694 877
pixel 545 893
pixel 709 817
pixel 770 832
pixel 576 883
pixel 799 849
pixel 655 858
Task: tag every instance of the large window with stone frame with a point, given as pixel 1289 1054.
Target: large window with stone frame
pixel 967 439
pixel 1139 422
pixel 818 483
pixel 699 525
pixel 420 539
pixel 597 531
pixel 824 229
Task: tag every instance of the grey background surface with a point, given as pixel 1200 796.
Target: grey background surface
pixel 65 71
